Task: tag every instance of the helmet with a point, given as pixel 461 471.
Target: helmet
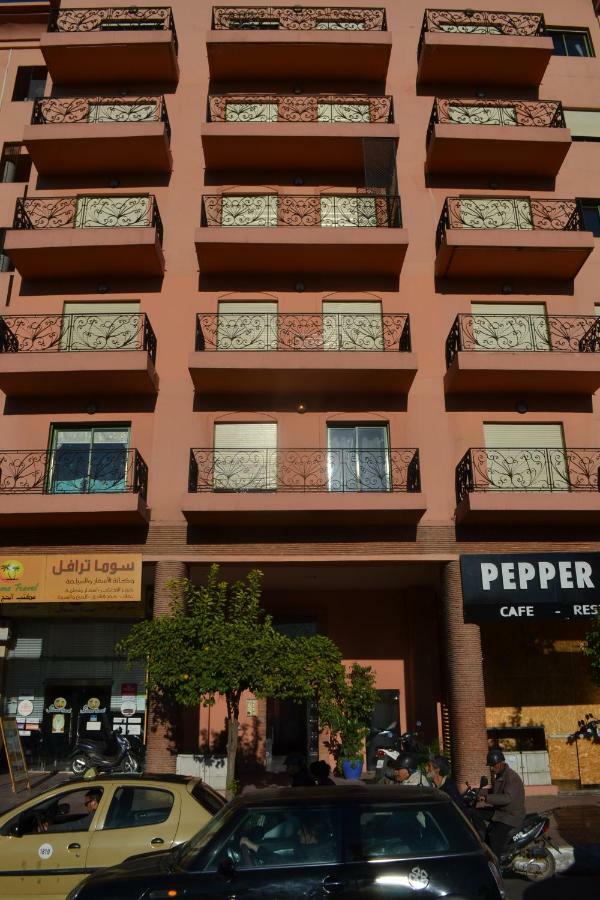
pixel 409 761
pixel 495 755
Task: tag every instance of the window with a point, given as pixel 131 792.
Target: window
pixel 352 325
pixel 88 460
pixel 292 836
pixel 388 831
pixel 132 807
pixel 509 326
pixel 591 216
pixel 527 457
pixel 358 458
pixel 584 124
pixel 207 798
pixel 245 456
pixel 70 811
pixel 101 326
pixel 248 325
pixel 30 82
pixel 348 210
pixel 15 163
pixel 5 261
pixel 571 41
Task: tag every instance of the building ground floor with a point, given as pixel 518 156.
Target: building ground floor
pixel 517 680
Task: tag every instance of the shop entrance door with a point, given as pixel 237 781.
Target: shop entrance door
pixel 72 711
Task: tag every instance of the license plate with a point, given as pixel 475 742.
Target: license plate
pixel 380 763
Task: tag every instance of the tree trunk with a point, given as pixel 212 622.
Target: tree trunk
pixel 232 744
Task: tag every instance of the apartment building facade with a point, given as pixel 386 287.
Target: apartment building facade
pixel 310 290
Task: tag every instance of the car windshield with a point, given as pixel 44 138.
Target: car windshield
pixel 401 831
pixel 187 853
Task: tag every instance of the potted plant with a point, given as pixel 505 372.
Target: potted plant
pixel 347 715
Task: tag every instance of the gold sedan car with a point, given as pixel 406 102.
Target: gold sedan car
pixel 49 843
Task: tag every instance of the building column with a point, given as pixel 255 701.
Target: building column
pixel 161 751
pixel 464 683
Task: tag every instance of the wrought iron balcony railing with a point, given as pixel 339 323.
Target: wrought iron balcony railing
pixel 91 331
pixel 523 332
pixel 333 108
pixel 297 332
pixel 113 18
pixel 96 470
pixel 527 469
pixel 88 211
pixel 298 18
pixel 297 210
pixel 469 21
pixel 531 113
pixel 93 110
pixel 512 213
pixel 303 470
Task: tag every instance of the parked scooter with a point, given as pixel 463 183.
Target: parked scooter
pixel 390 748
pixel 122 753
pixel 527 852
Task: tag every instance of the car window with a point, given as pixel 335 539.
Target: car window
pixel 135 806
pixel 208 799
pixel 281 836
pixel 400 831
pixel 69 811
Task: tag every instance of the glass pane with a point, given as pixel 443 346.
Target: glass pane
pixel 373 465
pixel 591 219
pixel 341 459
pixel 559 44
pixel 399 832
pixel 69 465
pixel 576 43
pixel 108 467
pixel 135 807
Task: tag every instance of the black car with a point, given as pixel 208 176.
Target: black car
pixel 379 842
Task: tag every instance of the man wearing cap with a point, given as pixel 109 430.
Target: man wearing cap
pixel 502 811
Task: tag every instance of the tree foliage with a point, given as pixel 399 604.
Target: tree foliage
pixel 347 712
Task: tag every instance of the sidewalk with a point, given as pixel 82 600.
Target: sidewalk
pixel 574 829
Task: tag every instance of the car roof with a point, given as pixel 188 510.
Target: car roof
pixel 378 793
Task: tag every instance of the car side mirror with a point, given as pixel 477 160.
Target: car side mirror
pixel 483 782
pixel 226 868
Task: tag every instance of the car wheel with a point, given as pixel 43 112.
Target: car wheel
pixel 547 868
pixel 79 764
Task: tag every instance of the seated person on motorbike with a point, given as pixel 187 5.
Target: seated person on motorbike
pixel 407 772
pixel 438 772
pixel 502 811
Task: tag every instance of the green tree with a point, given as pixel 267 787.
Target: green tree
pixel 346 711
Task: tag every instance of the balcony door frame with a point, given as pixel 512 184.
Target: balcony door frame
pixel 53 448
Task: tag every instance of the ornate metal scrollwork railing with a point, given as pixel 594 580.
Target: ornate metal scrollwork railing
pixel 246 470
pixel 297 332
pixel 522 332
pixel 531 113
pixel 101 469
pixel 91 331
pixel 298 210
pixel 298 18
pixel 88 211
pixel 469 21
pixel 94 110
pixel 527 469
pixel 113 18
pixel 509 213
pixel 333 108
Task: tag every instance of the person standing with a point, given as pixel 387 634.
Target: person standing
pixel 502 811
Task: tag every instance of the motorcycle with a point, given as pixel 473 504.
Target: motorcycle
pixel 527 852
pixel 384 755
pixel 122 753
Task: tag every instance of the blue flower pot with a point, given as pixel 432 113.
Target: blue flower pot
pixel 352 768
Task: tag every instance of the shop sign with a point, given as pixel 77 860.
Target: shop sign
pixel 506 587
pixel 10 740
pixel 71 578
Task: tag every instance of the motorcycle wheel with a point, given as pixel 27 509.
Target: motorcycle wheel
pixel 130 764
pixel 549 867
pixel 79 764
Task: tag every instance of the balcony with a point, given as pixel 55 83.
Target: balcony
pixel 86 235
pixel 111 45
pixel 313 43
pixel 521 138
pixel 475 48
pixel 311 353
pixel 338 234
pixel 528 485
pixel 482 238
pixel 104 354
pixel 96 135
pixel 65 487
pixel 309 132
pixel 303 486
pixel 516 352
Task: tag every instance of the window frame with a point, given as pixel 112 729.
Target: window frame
pixel 590 203
pixel 136 787
pixel 22 84
pixel 561 31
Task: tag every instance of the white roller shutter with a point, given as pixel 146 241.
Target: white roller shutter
pixel 583 123
pixel 352 325
pixel 515 434
pixel 80 315
pixel 245 456
pixel 526 457
pixel 247 325
pixel 515 326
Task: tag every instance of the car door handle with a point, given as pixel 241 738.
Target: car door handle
pixel 332 884
pixel 157 840
pixel 73 846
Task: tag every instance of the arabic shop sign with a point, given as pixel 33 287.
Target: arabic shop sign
pixel 71 578
pixel 530 586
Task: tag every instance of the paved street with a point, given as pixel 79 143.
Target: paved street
pixel 560 888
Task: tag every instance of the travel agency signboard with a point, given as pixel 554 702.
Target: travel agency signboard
pixel 530 586
pixel 71 578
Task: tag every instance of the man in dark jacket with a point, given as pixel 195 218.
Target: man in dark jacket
pixel 438 772
pixel 502 811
